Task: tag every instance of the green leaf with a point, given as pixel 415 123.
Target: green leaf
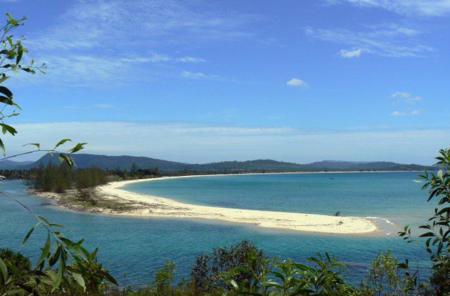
pixel 6 92
pixel 20 51
pixel 6 100
pixel 27 236
pixel 43 220
pixel 79 279
pixel 234 284
pixel 3 270
pixel 8 129
pixel 2 147
pixel 55 256
pixel 37 145
pixel 12 21
pixel 3 77
pixel 427 234
pixel 109 277
pixel 45 252
pixel 77 147
pixel 59 277
pixel 62 142
pixel 66 159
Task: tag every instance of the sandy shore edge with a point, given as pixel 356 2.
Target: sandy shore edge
pixel 144 205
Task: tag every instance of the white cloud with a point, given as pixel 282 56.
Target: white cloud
pixel 161 58
pixel 104 40
pixel 405 113
pixel 97 24
pixel 84 70
pixel 197 75
pixel 154 58
pixel 350 54
pixel 406 97
pixel 191 60
pixel 296 82
pixel 81 70
pixel 406 7
pixel 388 40
pixel 214 143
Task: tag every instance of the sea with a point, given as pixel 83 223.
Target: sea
pixel 134 248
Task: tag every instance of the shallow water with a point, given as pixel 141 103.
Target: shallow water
pixel 133 248
pixel 394 196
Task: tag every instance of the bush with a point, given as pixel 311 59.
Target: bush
pixel 242 264
pixel 437 229
pixel 64 267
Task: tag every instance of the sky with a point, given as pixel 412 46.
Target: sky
pixel 200 81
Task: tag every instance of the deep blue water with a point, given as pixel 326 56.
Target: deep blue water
pixel 133 248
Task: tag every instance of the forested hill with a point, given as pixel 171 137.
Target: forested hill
pixel 171 167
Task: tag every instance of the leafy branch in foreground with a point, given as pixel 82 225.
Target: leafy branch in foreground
pixel 64 267
pixel 12 55
pixel 437 229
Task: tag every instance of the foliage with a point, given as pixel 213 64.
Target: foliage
pixel 437 229
pixel 12 57
pixel 321 276
pixel 164 278
pixel 62 177
pixel 19 265
pixel 241 264
pixel 388 277
pixel 64 267
pixel 136 173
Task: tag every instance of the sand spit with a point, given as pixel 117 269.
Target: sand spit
pixel 144 205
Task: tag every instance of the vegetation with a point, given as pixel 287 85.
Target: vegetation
pixel 61 178
pixel 437 229
pixel 151 166
pixel 66 267
pixel 12 56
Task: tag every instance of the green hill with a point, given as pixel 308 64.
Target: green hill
pixel 262 165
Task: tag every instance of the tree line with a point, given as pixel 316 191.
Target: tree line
pixel 63 177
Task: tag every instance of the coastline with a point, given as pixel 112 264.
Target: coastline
pixel 131 204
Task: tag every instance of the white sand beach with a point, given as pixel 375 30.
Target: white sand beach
pixel 154 206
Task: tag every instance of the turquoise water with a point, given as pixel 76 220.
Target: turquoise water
pixel 133 248
pixel 395 196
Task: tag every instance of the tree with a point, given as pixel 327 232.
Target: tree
pixel 240 264
pixel 64 267
pixel 12 56
pixel 437 229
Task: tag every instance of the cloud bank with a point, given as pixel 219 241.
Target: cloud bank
pixel 194 143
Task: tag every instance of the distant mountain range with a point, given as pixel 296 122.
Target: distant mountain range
pixel 12 165
pixel 170 167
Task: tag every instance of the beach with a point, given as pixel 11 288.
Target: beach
pixel 144 205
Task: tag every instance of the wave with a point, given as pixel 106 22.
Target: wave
pixel 381 218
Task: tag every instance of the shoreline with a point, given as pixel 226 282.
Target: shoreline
pixel 137 205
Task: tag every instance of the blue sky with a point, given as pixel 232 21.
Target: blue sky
pixel 203 81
